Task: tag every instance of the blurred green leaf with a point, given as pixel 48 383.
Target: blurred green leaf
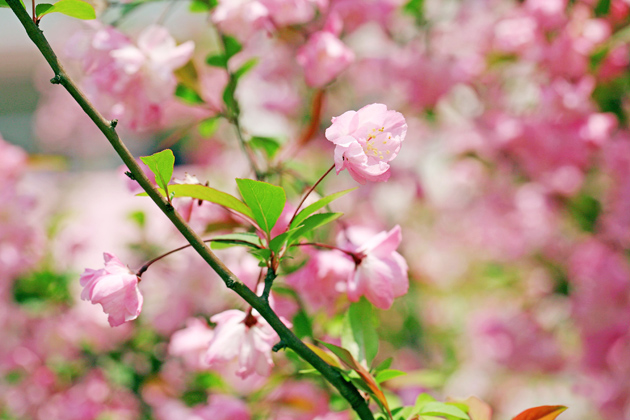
pixel 266 201
pixel 188 95
pixel 217 60
pixel 387 374
pixel 42 286
pixel 231 45
pixel 208 126
pixel 436 408
pixel 236 239
pixel 268 145
pixel 246 67
pixel 359 333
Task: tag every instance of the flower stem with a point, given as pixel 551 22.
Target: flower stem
pixel 357 258
pixel 309 193
pixel 347 390
pixel 148 264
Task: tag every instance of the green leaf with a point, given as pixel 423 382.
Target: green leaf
pixel 73 8
pixel 387 374
pixel 302 326
pixel 268 145
pixel 385 364
pixel 201 192
pixel 208 126
pixel 436 408
pixel 358 332
pixel 217 60
pixel 188 95
pixel 344 355
pixel 42 8
pixel 265 200
pixel 322 202
pixel 246 67
pixel 312 223
pixel 201 6
pixel 422 400
pixel 236 239
pixel 231 45
pixel 161 164
pixel 228 97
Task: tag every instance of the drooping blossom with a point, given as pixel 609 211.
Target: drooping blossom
pixel 323 58
pixel 115 288
pixel 366 141
pixel 246 337
pixel 381 273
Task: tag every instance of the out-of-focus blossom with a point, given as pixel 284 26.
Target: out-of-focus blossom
pixel 298 401
pixel 323 58
pixel 241 18
pixel 356 13
pixel 246 337
pixel 518 342
pixel 322 280
pixel 191 343
pixel 366 141
pixel 115 288
pixel 291 12
pixel 381 273
pixel 127 81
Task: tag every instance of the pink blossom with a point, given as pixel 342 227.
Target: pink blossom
pixel 323 58
pixel 381 273
pixel 248 338
pixel 366 140
pixel 130 81
pixel 321 281
pixel 241 18
pixel 191 343
pixel 291 12
pixel 115 287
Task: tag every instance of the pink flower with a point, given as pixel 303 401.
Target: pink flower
pixel 246 337
pixel 191 343
pixel 321 281
pixel 323 58
pixel 381 274
pixel 115 287
pixel 291 12
pixel 366 140
pixel 240 18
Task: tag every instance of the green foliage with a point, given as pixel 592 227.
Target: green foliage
pixel 387 374
pixel 201 192
pixel 188 95
pixel 231 46
pixel 313 222
pixel 415 8
pixel 302 326
pixel 42 287
pixel 585 211
pixel 3 3
pixel 602 8
pixel 322 202
pixel 359 333
pixel 217 60
pixel 202 6
pixel 236 239
pixel 245 68
pixel 73 8
pixel 161 164
pixel 266 201
pixel 208 126
pixel 268 145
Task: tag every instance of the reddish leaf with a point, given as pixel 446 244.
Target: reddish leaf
pixel 545 412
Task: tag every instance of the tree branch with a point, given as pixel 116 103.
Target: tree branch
pixel 346 389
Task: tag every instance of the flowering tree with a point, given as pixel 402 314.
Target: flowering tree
pixel 487 235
